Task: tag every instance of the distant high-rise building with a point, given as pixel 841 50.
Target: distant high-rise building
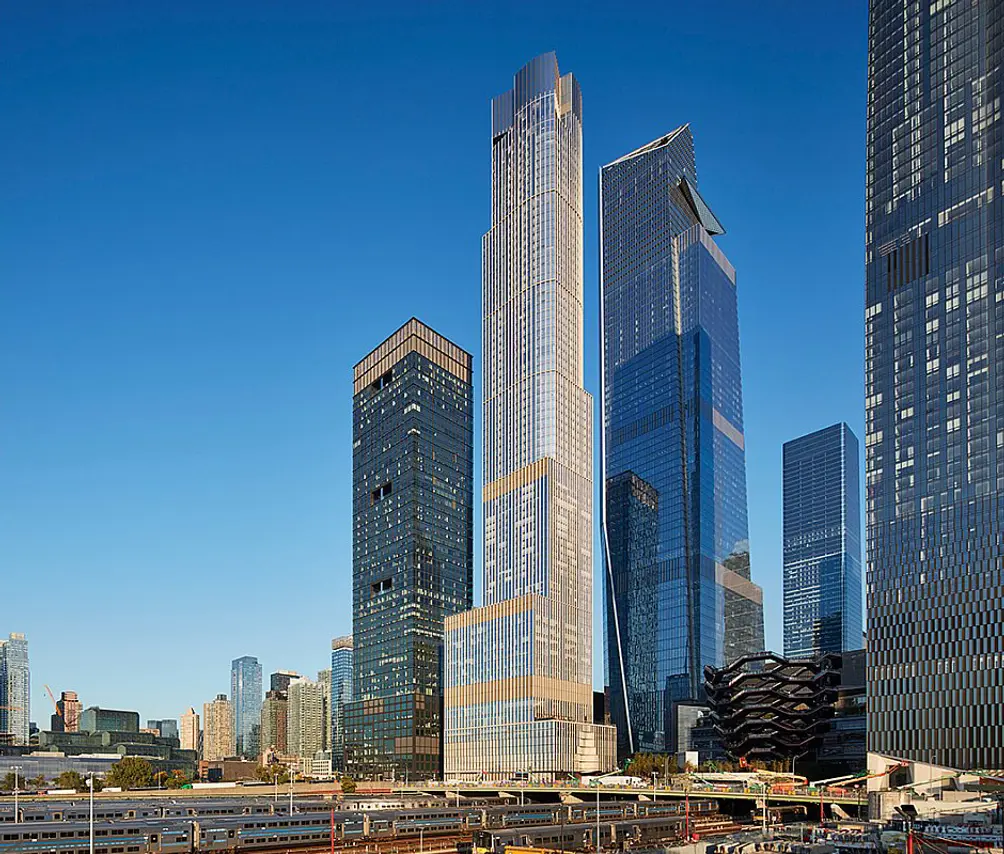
pixel 519 669
pixel 167 728
pixel 304 718
pixel 218 741
pixel 678 584
pixel 67 716
pixel 412 566
pixel 245 697
pixel 341 693
pixel 15 690
pixel 274 711
pixel 324 680
pixel 934 381
pixel 822 543
pixel 279 681
pixel 96 719
pixel 191 731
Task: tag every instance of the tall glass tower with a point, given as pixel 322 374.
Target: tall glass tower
pixel 341 693
pixel 245 699
pixel 679 594
pixel 822 543
pixel 15 690
pixel 519 670
pixel 412 545
pixel 934 375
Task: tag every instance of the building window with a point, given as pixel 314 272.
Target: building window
pixel 382 586
pixel 381 492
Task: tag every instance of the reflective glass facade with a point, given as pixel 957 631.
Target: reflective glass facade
pixel 15 690
pixel 679 593
pixel 822 543
pixel 934 359
pixel 245 700
pixel 413 481
pixel 341 693
pixel 519 670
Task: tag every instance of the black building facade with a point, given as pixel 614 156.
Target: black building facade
pixel 413 481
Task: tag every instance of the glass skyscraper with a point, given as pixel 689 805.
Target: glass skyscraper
pixel 519 669
pixel 822 543
pixel 934 365
pixel 15 690
pixel 413 526
pixel 341 693
pixel 679 593
pixel 245 699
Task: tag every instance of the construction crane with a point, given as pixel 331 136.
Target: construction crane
pixel 52 697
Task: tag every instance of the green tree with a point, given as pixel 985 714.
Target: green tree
pixel 348 785
pixel 74 780
pixel 177 780
pixel 269 773
pixel 130 772
pixel 38 782
pixel 9 782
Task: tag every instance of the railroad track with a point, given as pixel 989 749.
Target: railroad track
pixel 408 845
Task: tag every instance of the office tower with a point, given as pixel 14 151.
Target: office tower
pixel 304 718
pixel 166 728
pixel 279 681
pixel 96 719
pixel 934 381
pixel 191 731
pixel 822 543
pixel 67 715
pixel 412 559
pixel 519 669
pixel 341 693
pixel 324 680
pixel 218 741
pixel 679 594
pixel 15 690
pixel 245 698
pixel 274 711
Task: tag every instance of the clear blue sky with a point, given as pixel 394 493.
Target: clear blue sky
pixel 211 211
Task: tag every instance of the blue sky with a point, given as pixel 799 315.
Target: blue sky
pixel 211 211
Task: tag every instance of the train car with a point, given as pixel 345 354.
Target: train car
pixel 125 837
pixel 524 815
pixel 576 836
pixel 429 822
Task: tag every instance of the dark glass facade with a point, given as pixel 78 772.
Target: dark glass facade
pixel 412 546
pixel 822 543
pixel 341 694
pixel 934 359
pixel 245 700
pixel 679 594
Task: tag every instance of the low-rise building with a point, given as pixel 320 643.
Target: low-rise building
pixel 96 719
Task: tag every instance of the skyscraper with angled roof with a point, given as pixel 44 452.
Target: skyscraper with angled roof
pixel 676 543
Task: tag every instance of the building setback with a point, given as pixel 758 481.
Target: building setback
pixel 679 594
pixel 218 740
pixel 822 543
pixel 341 693
pixel 934 381
pixel 15 690
pixel 245 699
pixel 412 560
pixel 519 669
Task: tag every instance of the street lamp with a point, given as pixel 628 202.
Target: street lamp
pixel 90 823
pixel 17 789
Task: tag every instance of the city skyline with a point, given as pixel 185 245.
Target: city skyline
pixel 305 647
